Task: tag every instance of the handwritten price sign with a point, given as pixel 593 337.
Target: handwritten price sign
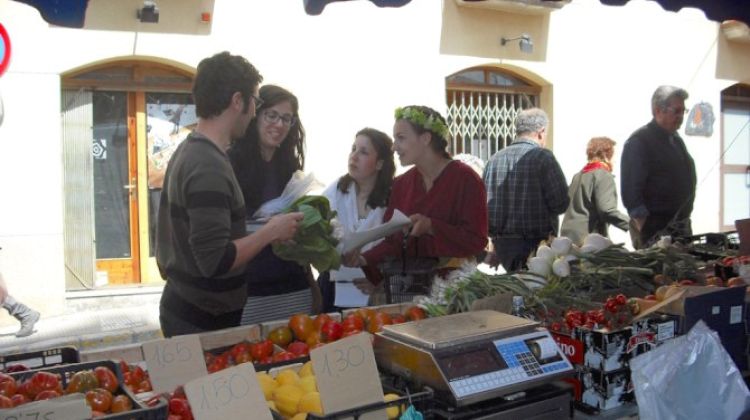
pixel 174 361
pixel 69 407
pixel 228 394
pixel 347 375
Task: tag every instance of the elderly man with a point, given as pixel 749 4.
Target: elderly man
pixel 658 174
pixel 526 192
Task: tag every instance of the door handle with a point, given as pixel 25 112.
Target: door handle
pixel 131 187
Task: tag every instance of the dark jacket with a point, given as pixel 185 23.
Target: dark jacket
pixel 658 174
pixel 593 206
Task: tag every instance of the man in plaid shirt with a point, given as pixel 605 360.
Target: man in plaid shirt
pixel 526 191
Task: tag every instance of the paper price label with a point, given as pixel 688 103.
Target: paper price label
pixel 228 394
pixel 174 361
pixel 71 407
pixel 347 375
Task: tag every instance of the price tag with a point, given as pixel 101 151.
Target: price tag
pixel 69 407
pixel 228 394
pixel 347 375
pixel 174 361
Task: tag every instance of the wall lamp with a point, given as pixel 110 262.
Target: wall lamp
pixel 525 42
pixel 149 13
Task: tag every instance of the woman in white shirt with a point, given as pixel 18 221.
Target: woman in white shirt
pixel 360 198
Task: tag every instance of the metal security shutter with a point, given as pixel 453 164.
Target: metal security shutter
pixel 482 107
pixel 78 185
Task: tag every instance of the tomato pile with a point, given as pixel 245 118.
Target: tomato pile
pixel 615 314
pixel 135 378
pixel 179 407
pixel 98 385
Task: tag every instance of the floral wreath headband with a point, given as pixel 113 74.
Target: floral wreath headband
pixel 431 123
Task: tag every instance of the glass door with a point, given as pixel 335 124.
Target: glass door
pixel 735 168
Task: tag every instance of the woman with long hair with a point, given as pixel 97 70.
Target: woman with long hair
pixel 359 198
pixel 272 149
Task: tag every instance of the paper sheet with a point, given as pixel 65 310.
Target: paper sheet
pixel 354 240
pixel 348 296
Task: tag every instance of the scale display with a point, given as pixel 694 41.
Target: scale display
pixel 503 363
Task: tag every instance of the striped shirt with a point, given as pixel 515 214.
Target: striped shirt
pixel 201 212
pixel 526 191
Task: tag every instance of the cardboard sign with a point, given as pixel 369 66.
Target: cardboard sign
pixel 232 393
pixel 347 375
pixel 174 361
pixel 68 407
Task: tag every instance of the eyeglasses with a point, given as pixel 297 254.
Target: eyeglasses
pixel 258 101
pixel 677 111
pixel 272 117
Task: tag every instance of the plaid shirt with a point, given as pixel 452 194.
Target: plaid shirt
pixel 526 191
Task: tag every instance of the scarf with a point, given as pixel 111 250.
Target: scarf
pixel 592 166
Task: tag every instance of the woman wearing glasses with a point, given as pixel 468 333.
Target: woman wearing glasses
pixel 264 161
pixel 359 199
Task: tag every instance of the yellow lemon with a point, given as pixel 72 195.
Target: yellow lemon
pixel 287 377
pixel 310 403
pixel 308 384
pixel 267 384
pixel 393 412
pixel 306 370
pixel 287 399
pixel 272 405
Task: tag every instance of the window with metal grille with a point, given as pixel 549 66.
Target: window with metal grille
pixel 482 105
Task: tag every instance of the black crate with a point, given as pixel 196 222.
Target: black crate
pixel 418 399
pixel 712 246
pixel 140 411
pixel 39 359
pixel 406 279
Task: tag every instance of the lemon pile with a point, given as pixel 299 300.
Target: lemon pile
pixel 292 394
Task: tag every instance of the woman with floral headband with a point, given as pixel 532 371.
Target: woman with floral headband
pixel 444 198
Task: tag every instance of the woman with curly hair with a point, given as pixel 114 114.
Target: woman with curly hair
pixel 272 149
pixel 593 197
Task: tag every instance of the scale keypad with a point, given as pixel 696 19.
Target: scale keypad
pixel 522 366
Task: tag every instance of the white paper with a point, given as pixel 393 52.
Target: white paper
pixel 348 296
pixel 355 240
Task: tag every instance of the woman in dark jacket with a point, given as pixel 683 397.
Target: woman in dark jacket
pixel 593 198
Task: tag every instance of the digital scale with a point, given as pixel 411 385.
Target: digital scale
pixel 472 356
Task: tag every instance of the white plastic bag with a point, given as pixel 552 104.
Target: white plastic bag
pixel 299 185
pixel 689 377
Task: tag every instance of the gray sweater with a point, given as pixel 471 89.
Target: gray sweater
pixel 593 206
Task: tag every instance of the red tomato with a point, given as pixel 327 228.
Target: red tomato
pixel 736 282
pixel 353 322
pixel 378 321
pixel 398 319
pixel 144 386
pixel 25 389
pixel 121 403
pixel 262 349
pixel 45 381
pixel 301 326
pixel 7 385
pixel 350 333
pixel 314 338
pixel 106 378
pixel 298 348
pixel 284 356
pixel 321 320
pixel 621 299
pixel 180 407
pixel 240 351
pixel 179 392
pixel 19 399
pixel 47 394
pixel 265 360
pixel 6 402
pixel 124 367
pixel 99 399
pixel 414 313
pixel 332 331
pixel 83 381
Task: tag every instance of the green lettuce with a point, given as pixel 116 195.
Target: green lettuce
pixel 314 242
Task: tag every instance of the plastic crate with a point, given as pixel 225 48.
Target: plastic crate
pixel 711 246
pixel 39 359
pixel 418 399
pixel 406 279
pixel 140 411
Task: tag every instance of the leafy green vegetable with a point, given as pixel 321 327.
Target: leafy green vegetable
pixel 314 242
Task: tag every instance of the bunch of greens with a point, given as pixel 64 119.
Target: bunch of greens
pixel 314 242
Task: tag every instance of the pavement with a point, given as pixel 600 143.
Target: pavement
pixel 92 323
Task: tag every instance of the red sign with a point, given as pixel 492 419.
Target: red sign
pixel 571 348
pixel 4 49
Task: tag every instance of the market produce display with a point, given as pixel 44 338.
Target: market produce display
pixel 314 243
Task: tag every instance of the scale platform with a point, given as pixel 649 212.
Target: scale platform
pixel 471 356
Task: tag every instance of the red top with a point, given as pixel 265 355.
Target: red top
pixel 457 205
pixel 597 164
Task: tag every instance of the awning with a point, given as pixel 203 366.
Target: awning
pixel 72 13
